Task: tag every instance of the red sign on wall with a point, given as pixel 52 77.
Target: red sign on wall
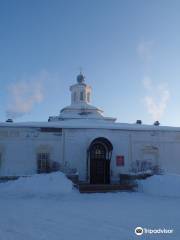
pixel 119 160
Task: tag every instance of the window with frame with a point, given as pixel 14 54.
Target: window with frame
pixel 43 162
pixel 81 96
pixel 88 96
pixel 74 96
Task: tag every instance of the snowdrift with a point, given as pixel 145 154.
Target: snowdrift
pixel 38 185
pixel 161 185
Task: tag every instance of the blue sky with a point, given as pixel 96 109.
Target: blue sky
pixel 129 52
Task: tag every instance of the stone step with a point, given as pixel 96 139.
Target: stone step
pixel 95 188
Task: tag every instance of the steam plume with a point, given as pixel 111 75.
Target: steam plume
pixel 156 100
pixel 23 96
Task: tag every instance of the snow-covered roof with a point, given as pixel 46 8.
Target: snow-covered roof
pixel 90 124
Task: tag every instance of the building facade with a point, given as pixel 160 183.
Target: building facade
pixel 82 141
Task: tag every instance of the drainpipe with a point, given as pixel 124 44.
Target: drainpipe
pixel 87 166
pixel 130 147
pixel 63 149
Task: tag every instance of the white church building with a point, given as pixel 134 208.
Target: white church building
pixel 82 141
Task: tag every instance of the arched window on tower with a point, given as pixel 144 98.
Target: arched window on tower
pixel 81 96
pixel 74 97
pixel 88 96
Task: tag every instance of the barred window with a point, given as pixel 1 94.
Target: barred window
pixel 43 162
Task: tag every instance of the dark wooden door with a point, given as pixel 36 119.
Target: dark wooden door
pixel 99 165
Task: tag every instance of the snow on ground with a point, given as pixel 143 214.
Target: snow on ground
pixel 161 185
pixel 38 185
pixel 60 215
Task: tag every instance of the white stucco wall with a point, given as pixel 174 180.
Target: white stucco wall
pixel 130 144
pixel 19 147
pixel 168 144
pixel 19 150
pixel 77 142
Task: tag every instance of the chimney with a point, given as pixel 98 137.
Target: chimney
pixel 138 122
pixel 9 120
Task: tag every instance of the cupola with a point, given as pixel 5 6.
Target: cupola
pixel 80 92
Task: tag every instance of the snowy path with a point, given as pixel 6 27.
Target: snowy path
pixel 111 216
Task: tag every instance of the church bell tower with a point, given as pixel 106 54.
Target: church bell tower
pixel 80 92
pixel 80 107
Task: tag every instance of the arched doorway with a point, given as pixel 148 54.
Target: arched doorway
pixel 100 151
